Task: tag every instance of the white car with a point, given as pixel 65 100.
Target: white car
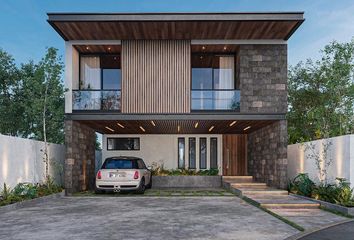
pixel 123 173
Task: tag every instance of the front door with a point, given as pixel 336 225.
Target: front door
pixel 234 154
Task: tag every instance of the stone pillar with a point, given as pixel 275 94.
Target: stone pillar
pixel 267 154
pixel 80 157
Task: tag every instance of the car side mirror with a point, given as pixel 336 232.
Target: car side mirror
pixel 149 168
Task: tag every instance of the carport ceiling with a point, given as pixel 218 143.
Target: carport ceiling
pixel 177 126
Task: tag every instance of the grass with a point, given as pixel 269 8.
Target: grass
pixel 336 212
pixel 287 221
pixel 163 193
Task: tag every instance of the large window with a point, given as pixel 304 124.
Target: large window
pixel 202 153
pixel 123 144
pixel 192 153
pixel 181 153
pixel 214 85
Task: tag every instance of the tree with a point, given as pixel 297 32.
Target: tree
pixel 321 95
pixel 9 88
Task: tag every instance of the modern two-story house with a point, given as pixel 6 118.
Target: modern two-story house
pixel 182 90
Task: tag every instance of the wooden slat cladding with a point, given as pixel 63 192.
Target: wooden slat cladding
pixel 156 76
pixel 234 154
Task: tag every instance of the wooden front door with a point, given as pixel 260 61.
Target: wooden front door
pixel 234 154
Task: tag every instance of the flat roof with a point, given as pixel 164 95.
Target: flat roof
pixel 122 26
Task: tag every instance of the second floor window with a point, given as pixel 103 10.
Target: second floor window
pixel 100 72
pixel 213 72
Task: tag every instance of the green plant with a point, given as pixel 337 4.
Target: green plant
pixel 161 171
pixel 344 194
pixel 5 192
pixel 302 185
pixel 25 190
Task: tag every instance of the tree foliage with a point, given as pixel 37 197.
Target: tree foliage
pixel 321 95
pixel 29 90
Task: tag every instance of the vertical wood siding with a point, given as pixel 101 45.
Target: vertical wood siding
pixel 156 76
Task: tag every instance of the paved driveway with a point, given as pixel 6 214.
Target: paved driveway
pixel 142 218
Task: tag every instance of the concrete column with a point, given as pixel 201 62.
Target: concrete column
pixel 80 157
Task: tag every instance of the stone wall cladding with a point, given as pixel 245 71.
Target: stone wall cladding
pixel 263 78
pixel 267 154
pixel 79 165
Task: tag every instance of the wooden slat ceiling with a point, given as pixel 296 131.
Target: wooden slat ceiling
pixel 125 30
pixel 99 48
pixel 171 127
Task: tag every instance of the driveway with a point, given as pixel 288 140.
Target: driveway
pixel 344 231
pixel 142 218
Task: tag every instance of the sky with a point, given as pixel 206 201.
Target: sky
pixel 25 33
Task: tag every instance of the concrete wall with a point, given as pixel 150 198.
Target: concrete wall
pixel 163 149
pixel 267 154
pixel 22 160
pixel 341 151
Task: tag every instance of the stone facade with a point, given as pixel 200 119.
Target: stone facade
pixel 80 157
pixel 267 154
pixel 263 78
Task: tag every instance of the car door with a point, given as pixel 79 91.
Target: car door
pixel 145 172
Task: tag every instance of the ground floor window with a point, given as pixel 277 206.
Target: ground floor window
pixel 123 143
pixel 181 155
pixel 214 153
pixel 202 153
pixel 192 153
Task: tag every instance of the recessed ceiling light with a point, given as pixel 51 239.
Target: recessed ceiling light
pixel 110 129
pixel 153 124
pixel 201 57
pixel 246 128
pixel 203 47
pixel 211 128
pixel 87 48
pixel 142 129
pixel 196 125
pixel 109 49
pixel 233 123
pixel 225 48
pixel 120 125
pixel 178 128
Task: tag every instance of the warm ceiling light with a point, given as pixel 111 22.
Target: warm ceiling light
pixel 196 125
pixel 233 123
pixel 110 129
pixel 203 47
pixel 225 48
pixel 201 57
pixel 142 129
pixel 120 125
pixel 211 128
pixel 109 49
pixel 153 124
pixel 178 128
pixel 246 128
pixel 87 48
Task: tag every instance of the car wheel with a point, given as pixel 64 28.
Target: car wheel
pixel 150 183
pixel 99 191
pixel 142 187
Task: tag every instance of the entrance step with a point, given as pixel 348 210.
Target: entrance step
pixel 237 179
pixel 262 192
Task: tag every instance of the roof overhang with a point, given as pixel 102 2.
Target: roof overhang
pixel 228 26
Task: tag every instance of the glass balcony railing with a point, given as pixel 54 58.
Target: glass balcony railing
pixel 228 100
pixel 108 100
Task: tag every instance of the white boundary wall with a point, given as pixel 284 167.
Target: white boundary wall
pixel 21 160
pixel 341 151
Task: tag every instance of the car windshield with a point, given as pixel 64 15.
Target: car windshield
pixel 119 164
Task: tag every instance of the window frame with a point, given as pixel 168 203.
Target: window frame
pixel 123 138
pixel 189 152
pixel 184 153
pixel 206 152
pixel 234 54
pixel 216 152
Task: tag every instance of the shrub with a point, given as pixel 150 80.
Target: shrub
pixel 302 185
pixel 25 190
pixel 161 171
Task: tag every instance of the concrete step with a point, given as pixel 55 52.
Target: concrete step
pixel 262 192
pixel 284 201
pixel 291 205
pixel 237 179
pixel 250 186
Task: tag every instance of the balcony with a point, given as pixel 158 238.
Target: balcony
pixel 93 100
pixel 227 100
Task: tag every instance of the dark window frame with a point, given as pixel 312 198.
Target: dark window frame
pixel 184 153
pixel 138 149
pixel 216 152
pixel 195 152
pixel 206 152
pixel 234 54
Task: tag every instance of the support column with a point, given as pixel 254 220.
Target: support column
pixel 80 157
pixel 267 154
